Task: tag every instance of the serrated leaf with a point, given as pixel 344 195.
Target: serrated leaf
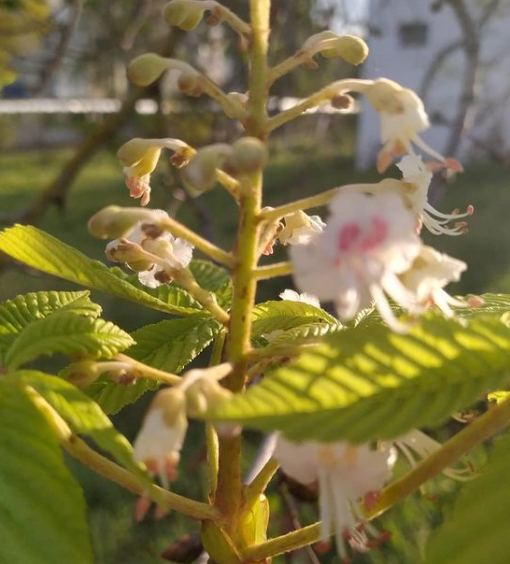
pixel 169 345
pixel 44 252
pixel 19 312
pixel 284 315
pixel 477 529
pixel 42 509
pixel 310 332
pixel 370 383
pixel 83 415
pixel 68 334
pixel 493 304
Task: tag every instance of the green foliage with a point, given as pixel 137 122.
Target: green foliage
pixel 214 279
pixel 42 510
pixel 18 313
pixel 44 252
pixel 284 315
pixel 370 383
pixel 169 345
pixel 69 334
pixel 83 415
pixel 472 535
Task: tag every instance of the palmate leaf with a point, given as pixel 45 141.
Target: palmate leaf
pixel 19 312
pixel 44 252
pixel 284 315
pixel 68 334
pixel 82 414
pixel 477 529
pixel 42 509
pixel 370 383
pixel 169 345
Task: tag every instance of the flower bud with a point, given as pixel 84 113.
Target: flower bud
pixel 114 222
pixel 147 68
pixel 123 250
pixel 184 14
pixel 350 48
pixel 82 373
pixel 200 174
pixel 205 395
pixel 300 228
pixel 190 83
pixel 250 154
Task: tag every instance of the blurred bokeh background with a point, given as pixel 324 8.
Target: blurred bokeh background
pixel 66 106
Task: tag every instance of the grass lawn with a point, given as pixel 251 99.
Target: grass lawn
pixel 486 249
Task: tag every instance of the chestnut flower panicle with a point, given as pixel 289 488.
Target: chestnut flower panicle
pixel 344 474
pixel 368 242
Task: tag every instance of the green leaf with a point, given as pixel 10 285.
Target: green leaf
pixel 494 304
pixel 42 509
pixel 16 314
pixel 68 334
pixel 169 345
pixel 284 315
pixel 214 279
pixel 39 250
pixel 310 332
pixel 370 383
pixel 83 415
pixel 477 529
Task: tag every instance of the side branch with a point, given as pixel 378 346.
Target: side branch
pixel 148 372
pixel 273 271
pixel 90 458
pixel 324 95
pixel 208 248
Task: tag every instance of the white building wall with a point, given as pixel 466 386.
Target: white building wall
pixel 407 64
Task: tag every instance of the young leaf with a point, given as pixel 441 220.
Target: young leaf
pixel 68 334
pixel 42 509
pixel 477 529
pixel 370 383
pixel 44 252
pixel 309 332
pixel 83 415
pixel 19 312
pixel 214 279
pixel 284 315
pixel 169 345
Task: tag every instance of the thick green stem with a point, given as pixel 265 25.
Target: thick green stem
pixel 481 429
pixel 136 484
pixel 229 491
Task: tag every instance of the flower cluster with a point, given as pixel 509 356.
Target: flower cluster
pixel 344 474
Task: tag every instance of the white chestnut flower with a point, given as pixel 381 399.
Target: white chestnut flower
pixel 368 242
pixel 415 172
pixel 293 296
pixel 140 157
pixel 160 439
pixel 427 276
pixel 173 252
pixel 415 446
pixel 300 228
pixel 344 474
pixel 403 116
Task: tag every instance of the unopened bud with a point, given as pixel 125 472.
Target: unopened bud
pixel 343 102
pixel 190 83
pixel 123 250
pixel 249 154
pixel 114 222
pixel 184 14
pixel 200 174
pixel 146 69
pixel 350 48
pixel 81 374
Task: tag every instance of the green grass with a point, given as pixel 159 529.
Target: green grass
pixel 486 249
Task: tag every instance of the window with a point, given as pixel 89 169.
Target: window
pixel 413 34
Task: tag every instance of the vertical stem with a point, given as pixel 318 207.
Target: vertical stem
pixel 229 491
